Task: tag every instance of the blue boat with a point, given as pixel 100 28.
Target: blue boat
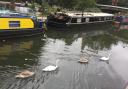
pixel 14 24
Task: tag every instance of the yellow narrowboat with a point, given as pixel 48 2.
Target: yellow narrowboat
pixel 16 24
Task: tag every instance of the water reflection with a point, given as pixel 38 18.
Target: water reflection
pixel 91 39
pixel 22 54
pixel 120 33
pixel 120 27
pixel 14 52
pixel 67 46
pixel 95 42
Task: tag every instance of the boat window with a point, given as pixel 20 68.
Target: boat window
pixel 111 18
pixel 14 23
pixel 78 20
pixel 87 19
pixel 92 19
pixel 102 18
pixel 96 19
pixel 107 18
pixel 14 15
pixel 99 18
pixel 83 19
pixel 74 20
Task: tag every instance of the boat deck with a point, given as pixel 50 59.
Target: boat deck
pixel 88 14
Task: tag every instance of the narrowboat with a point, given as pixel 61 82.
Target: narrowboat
pixel 17 24
pixel 71 18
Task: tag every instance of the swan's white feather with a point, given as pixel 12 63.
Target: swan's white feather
pixel 104 58
pixel 50 68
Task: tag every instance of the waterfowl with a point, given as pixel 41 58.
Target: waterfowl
pixel 105 58
pixel 51 67
pixel 83 60
pixel 25 74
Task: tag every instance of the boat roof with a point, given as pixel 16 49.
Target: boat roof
pixel 8 13
pixel 17 4
pixel 89 14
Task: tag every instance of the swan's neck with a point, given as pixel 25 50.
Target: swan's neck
pixel 57 63
pixel 109 55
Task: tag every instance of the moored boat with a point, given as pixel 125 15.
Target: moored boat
pixel 121 19
pixel 71 18
pixel 17 24
pixel 58 19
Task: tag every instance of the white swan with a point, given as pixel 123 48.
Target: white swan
pixel 105 58
pixel 51 67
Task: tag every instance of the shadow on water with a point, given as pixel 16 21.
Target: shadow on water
pixel 93 36
pixel 15 52
pixel 120 32
pixel 17 55
pixel 91 41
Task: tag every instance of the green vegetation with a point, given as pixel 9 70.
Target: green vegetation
pixel 71 3
pixel 79 5
pixel 48 6
pixel 109 2
pixel 84 4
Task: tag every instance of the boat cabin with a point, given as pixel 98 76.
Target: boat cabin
pixel 79 18
pixel 71 18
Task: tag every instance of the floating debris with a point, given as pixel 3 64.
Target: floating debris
pixel 25 74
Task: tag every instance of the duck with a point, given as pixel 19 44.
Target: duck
pixel 83 60
pixel 105 58
pixel 51 67
pixel 25 74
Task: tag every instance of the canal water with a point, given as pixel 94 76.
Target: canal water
pixel 68 45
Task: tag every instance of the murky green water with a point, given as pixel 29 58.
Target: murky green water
pixel 93 41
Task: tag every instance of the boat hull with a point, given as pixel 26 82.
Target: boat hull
pixel 20 32
pixel 55 24
pixel 78 27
